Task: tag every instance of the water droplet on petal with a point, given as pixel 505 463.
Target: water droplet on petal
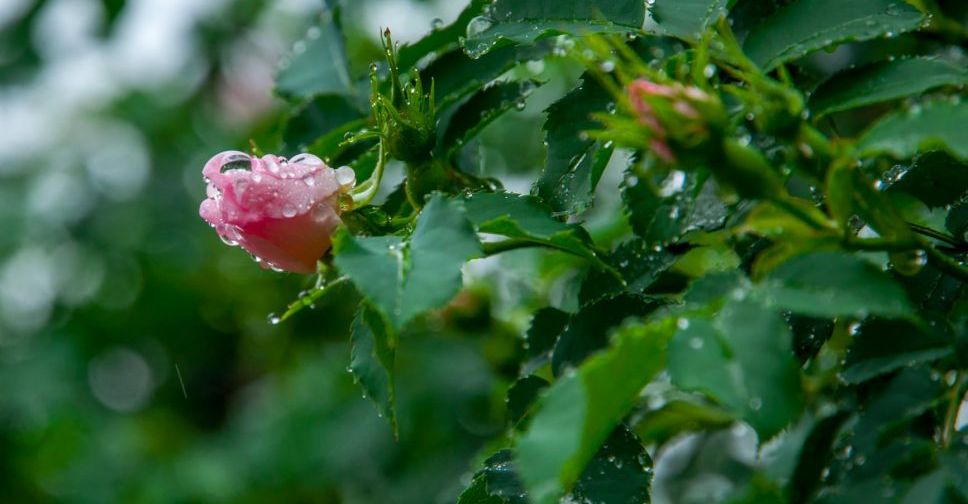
pixel 307 159
pixel 346 178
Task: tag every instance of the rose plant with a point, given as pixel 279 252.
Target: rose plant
pixel 786 265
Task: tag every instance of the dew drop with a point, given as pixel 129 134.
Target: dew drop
pixel 345 177
pixel 479 25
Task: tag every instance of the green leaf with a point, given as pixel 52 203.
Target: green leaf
pixel 546 325
pixel 882 346
pixel 371 360
pixel 639 264
pixel 808 25
pixel 318 63
pixel 525 21
pixel 687 19
pixel 743 359
pixel 850 192
pixel 935 178
pixel 455 75
pixel 678 416
pixel 832 284
pixel 522 395
pixel 439 40
pixel 525 218
pixel 588 330
pixel 662 211
pixel 937 124
pixel 580 410
pixel 318 117
pixel 883 81
pixel 495 483
pixel 572 169
pixel 481 109
pixel 619 473
pixel 405 278
pixel 814 457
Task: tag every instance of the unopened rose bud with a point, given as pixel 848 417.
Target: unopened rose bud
pixel 281 211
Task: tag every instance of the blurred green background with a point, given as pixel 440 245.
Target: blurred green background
pixel 136 360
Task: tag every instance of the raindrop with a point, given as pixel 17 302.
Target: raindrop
pixel 696 343
pixel 314 33
pixel 273 319
pixel 346 177
pixel 299 47
pixel 288 211
pixel 520 105
pixel 307 159
pixel 479 25
pixel 607 66
pixel 709 71
pixel 436 24
pixel 236 161
pixel 682 323
pixel 756 403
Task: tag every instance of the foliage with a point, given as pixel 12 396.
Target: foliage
pixel 737 275
pixel 764 269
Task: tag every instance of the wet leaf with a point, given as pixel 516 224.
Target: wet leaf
pixel 526 218
pixel 318 63
pixel 372 359
pixel 588 330
pixel 743 359
pixel 572 169
pixel 937 124
pixel 687 19
pixel 808 25
pixel 580 410
pixel 884 81
pixel 525 21
pixel 831 284
pixel 406 277
pixel 882 346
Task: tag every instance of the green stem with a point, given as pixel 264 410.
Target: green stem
pixel 951 416
pixel 937 235
pixel 945 263
pixel 311 298
pixel 364 193
pixel 493 248
pixel 784 202
pixel 879 245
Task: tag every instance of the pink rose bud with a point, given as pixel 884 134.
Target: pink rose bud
pixel 283 212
